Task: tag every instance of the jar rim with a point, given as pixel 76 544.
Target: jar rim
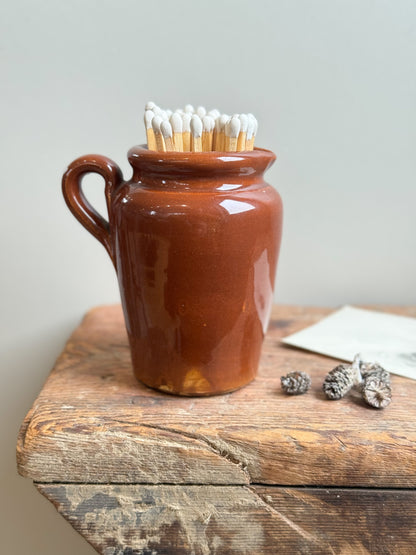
pixel 251 162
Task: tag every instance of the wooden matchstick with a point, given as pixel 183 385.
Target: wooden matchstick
pixel 160 143
pixel 166 130
pixel 256 126
pixel 232 129
pixel 221 132
pixel 215 135
pixel 241 143
pixel 211 132
pixel 251 131
pixel 150 135
pixel 177 128
pixel 186 133
pixel 196 134
pixel 208 125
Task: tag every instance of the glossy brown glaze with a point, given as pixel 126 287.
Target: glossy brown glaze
pixel 195 239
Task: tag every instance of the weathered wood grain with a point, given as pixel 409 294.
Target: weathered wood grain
pixel 94 423
pixel 251 520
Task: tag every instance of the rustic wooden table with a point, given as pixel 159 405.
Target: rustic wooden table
pixel 255 472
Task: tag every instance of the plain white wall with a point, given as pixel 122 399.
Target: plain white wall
pixel 333 84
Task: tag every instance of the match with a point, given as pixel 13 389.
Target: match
pixel 198 130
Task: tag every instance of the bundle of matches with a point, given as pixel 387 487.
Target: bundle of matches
pixel 191 130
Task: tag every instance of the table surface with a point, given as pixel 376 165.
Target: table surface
pixel 138 472
pixel 94 423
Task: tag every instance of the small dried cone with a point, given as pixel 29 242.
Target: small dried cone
pixel 339 381
pixel 376 392
pixel 295 383
pixel 374 369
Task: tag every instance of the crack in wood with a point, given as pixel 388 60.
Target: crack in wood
pixel 224 451
pixel 295 527
pixel 343 446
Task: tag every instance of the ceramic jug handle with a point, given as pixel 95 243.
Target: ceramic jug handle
pixel 78 203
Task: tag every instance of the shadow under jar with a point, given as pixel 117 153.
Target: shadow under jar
pixel 194 238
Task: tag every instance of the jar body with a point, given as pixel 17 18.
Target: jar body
pixel 196 260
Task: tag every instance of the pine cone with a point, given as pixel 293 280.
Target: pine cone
pixel 296 383
pixel 375 391
pixel 374 369
pixel 339 381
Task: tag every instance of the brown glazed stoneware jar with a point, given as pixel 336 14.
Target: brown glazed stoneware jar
pixel 194 238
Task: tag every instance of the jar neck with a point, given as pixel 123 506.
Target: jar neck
pixel 218 170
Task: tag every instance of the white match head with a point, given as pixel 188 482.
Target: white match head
pixel 218 124
pixel 196 126
pixel 169 113
pixel 250 126
pixel 163 114
pixel 186 122
pixel 148 116
pixel 243 122
pixel 251 116
pixel 201 111
pixel 223 121
pixel 256 126
pixel 208 123
pixel 176 122
pixel 189 109
pixel 214 113
pixel 158 111
pixel 166 128
pixel 150 105
pixel 232 127
pixel 156 122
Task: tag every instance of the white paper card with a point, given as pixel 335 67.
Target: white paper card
pixel 384 338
